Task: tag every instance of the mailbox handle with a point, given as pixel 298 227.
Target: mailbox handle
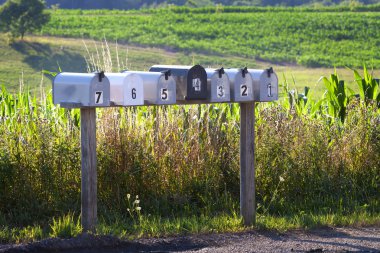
pixel 167 74
pixel 101 76
pixel 244 71
pixel 220 72
pixel 269 71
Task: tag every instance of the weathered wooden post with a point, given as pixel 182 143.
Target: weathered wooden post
pixel 247 163
pixel 89 173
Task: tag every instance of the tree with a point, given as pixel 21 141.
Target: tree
pixel 21 16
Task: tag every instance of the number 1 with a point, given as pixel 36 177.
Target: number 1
pixel 269 90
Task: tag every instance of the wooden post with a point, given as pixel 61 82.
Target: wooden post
pixel 89 174
pixel 247 166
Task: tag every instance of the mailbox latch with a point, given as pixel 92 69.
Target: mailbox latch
pixel 101 76
pixel 244 71
pixel 269 71
pixel 167 74
pixel 220 72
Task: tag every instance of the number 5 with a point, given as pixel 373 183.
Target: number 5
pixel 164 94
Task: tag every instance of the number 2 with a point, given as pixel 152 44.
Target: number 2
pixel 243 90
pixel 98 97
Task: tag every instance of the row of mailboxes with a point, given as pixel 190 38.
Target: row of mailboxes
pixel 165 84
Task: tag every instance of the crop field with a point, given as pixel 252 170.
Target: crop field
pixel 25 61
pixel 166 170
pixel 308 38
pixel 173 169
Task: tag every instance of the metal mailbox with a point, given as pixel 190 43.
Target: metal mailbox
pixel 81 90
pixel 126 89
pixel 265 84
pixel 218 85
pixel 159 88
pixel 241 85
pixel 191 81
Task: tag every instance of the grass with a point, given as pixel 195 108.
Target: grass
pixel 52 53
pixel 312 169
pixel 307 38
pixel 156 226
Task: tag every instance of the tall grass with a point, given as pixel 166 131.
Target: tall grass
pixel 185 159
pixel 312 158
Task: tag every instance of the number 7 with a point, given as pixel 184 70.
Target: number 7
pixel 98 96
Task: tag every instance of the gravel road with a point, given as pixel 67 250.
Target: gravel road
pixel 320 240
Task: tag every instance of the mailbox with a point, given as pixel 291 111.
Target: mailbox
pixel 218 85
pixel 241 84
pixel 159 88
pixel 126 89
pixel 265 84
pixel 81 90
pixel 191 81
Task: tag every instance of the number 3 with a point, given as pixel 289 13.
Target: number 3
pixel 221 91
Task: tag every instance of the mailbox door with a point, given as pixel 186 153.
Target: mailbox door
pixel 99 91
pixel 134 91
pixel 241 85
pixel 265 85
pixel 219 87
pixel 243 88
pixel 196 83
pixel 166 92
pixel 269 87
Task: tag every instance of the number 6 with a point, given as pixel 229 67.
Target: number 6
pixel 134 93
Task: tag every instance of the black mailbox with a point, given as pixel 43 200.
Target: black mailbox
pixel 191 81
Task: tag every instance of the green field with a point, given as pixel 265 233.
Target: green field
pixel 26 59
pixel 317 155
pixel 308 38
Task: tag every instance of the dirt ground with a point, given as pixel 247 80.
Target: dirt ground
pixel 320 240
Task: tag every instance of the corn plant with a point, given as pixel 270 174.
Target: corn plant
pixel 301 103
pixel 368 87
pixel 337 95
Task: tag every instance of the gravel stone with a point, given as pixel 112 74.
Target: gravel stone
pixel 318 240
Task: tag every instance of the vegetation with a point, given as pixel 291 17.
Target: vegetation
pixel 156 226
pixel 20 16
pixel 175 169
pixel 24 61
pixel 313 166
pixel 135 4
pixel 307 38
